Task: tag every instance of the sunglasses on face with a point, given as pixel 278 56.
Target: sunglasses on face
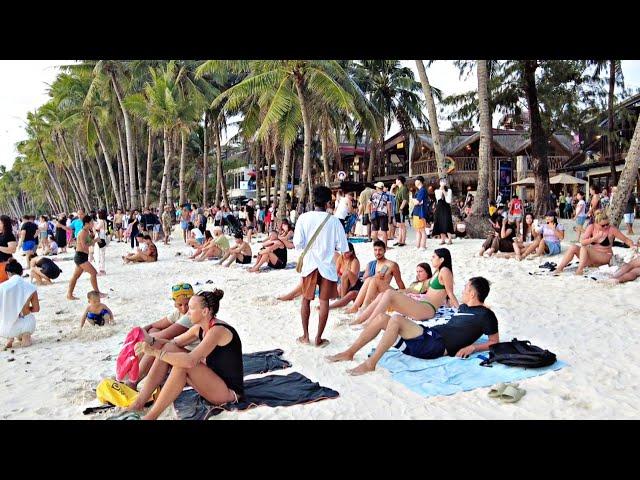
pixel 605 224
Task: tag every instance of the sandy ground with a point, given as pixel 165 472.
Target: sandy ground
pixel 593 327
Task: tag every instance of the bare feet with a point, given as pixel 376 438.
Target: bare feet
pixel 9 344
pixel 304 340
pixel 72 297
pixel 322 342
pixel 612 281
pixel 361 369
pixel 339 357
pixel 351 309
pixel 25 341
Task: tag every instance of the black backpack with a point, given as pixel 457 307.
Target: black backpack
pixel 519 353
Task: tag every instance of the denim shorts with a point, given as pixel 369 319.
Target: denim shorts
pixel 581 219
pixel 554 247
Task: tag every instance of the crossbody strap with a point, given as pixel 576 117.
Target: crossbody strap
pixel 315 235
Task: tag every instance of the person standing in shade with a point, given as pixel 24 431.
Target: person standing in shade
pixel 167 220
pixel 380 208
pixel 630 213
pixel 420 213
pixel 443 222
pixel 251 220
pixel 363 208
pixel 402 210
pixel 320 235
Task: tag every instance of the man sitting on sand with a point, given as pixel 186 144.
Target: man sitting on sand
pixel 273 251
pixel 240 253
pixel 455 338
pixel 377 277
pixel 217 247
pixel 150 254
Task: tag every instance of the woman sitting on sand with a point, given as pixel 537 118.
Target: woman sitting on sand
pixel 416 290
pixel 175 323
pixel 217 248
pixel 596 244
pixel 551 234
pixel 528 237
pixel 440 287
pixel 286 234
pixel 273 251
pixel 18 302
pixel 490 245
pixel 208 240
pixel 150 254
pixel 214 368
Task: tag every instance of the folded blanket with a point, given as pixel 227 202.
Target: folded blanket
pixel 272 390
pixel 449 375
pixel 263 362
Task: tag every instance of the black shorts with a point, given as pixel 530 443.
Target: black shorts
pixel 380 224
pixel 428 345
pixel 279 265
pixel 246 260
pixel 80 258
pixel 357 286
pixel 402 217
pixel 118 226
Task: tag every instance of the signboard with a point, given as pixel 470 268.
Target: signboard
pixel 505 171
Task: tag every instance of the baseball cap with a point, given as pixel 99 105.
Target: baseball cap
pixel 379 185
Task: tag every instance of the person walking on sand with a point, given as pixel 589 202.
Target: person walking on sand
pixel 319 234
pixel 81 259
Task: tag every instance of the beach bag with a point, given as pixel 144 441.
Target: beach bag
pixel 115 393
pixel 519 353
pixel 127 362
pixel 313 238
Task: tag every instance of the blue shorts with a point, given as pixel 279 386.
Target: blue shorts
pixel 184 224
pixel 28 246
pixel 580 220
pixel 156 227
pixel 428 345
pixel 200 240
pixel 554 247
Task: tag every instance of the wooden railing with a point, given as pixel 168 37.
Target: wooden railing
pixel 470 164
pixel 555 162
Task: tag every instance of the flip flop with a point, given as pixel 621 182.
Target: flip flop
pixel 496 390
pixel 512 394
pixel 125 416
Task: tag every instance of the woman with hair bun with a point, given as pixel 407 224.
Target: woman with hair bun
pixel 213 368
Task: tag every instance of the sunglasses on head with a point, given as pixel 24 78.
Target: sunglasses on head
pixel 181 286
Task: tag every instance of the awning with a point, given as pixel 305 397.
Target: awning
pixel 565 179
pixel 525 181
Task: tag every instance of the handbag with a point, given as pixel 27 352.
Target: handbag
pixel 313 238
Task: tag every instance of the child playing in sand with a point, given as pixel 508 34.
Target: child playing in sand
pixel 97 313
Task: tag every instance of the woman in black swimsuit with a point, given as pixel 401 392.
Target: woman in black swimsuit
pixel 61 233
pixel 81 258
pixel 219 380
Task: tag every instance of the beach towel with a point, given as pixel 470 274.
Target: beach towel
pixel 14 294
pixel 253 364
pixel 127 362
pixel 449 375
pixel 272 391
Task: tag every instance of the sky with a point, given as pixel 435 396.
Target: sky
pixel 24 84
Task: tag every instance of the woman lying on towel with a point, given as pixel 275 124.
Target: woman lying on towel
pixel 596 244
pixel 455 338
pixel 421 307
pixel 18 302
pixel 214 368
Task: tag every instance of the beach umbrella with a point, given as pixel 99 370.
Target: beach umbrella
pixel 525 181
pixel 565 179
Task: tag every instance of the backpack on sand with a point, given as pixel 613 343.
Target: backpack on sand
pixel 519 353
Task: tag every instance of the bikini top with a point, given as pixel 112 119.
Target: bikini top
pixel 435 282
pixel 605 242
pixel 417 287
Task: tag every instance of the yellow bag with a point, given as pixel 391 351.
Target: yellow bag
pixel 115 393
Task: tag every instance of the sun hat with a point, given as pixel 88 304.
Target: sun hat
pixel 379 185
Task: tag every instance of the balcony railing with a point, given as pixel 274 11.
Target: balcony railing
pixel 470 164
pixel 555 162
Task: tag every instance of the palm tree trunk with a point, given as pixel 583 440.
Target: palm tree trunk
pixel 373 151
pixel 223 186
pixel 75 174
pixel 165 173
pixel 205 165
pixel 612 88
pixel 183 147
pixel 276 176
pixel 486 134
pixel 433 118
pixel 325 158
pixel 306 161
pixel 107 160
pixel 268 193
pixel 129 141
pixel 147 187
pixel 140 189
pixel 54 179
pixel 628 178
pixel 539 146
pixel 125 168
pixel 338 154
pixel 107 204
pixel 282 202
pixel 258 167
pixel 121 189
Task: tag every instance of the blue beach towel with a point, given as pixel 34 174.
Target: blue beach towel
pixel 449 375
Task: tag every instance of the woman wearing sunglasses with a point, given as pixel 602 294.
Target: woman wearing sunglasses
pixel 596 244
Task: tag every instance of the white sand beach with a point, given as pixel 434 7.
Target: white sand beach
pixel 591 326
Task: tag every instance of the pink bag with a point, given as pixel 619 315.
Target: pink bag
pixel 128 363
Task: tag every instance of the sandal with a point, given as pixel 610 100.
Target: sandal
pixel 496 390
pixel 512 394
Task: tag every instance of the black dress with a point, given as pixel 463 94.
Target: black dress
pixel 61 234
pixel 443 222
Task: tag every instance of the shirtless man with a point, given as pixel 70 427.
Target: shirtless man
pixel 118 223
pixel 377 278
pixel 241 253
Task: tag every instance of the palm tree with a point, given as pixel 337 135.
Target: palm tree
pixel 486 134
pixel 627 178
pixel 433 118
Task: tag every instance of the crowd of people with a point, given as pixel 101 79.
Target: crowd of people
pixel 192 346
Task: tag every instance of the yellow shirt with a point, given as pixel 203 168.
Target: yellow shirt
pixel 492 210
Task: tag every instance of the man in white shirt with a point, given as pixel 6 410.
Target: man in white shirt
pixel 319 267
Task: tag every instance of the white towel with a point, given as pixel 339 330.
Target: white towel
pixel 14 294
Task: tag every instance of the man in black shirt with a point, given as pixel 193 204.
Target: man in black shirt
pixel 8 244
pixel 456 338
pixel 28 237
pixel 251 220
pixel 146 220
pixel 43 270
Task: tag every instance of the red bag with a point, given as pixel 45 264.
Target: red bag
pixel 127 362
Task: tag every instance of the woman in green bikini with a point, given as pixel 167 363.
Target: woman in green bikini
pixel 440 287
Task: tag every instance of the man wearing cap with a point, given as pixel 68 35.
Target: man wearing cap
pixel 380 208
